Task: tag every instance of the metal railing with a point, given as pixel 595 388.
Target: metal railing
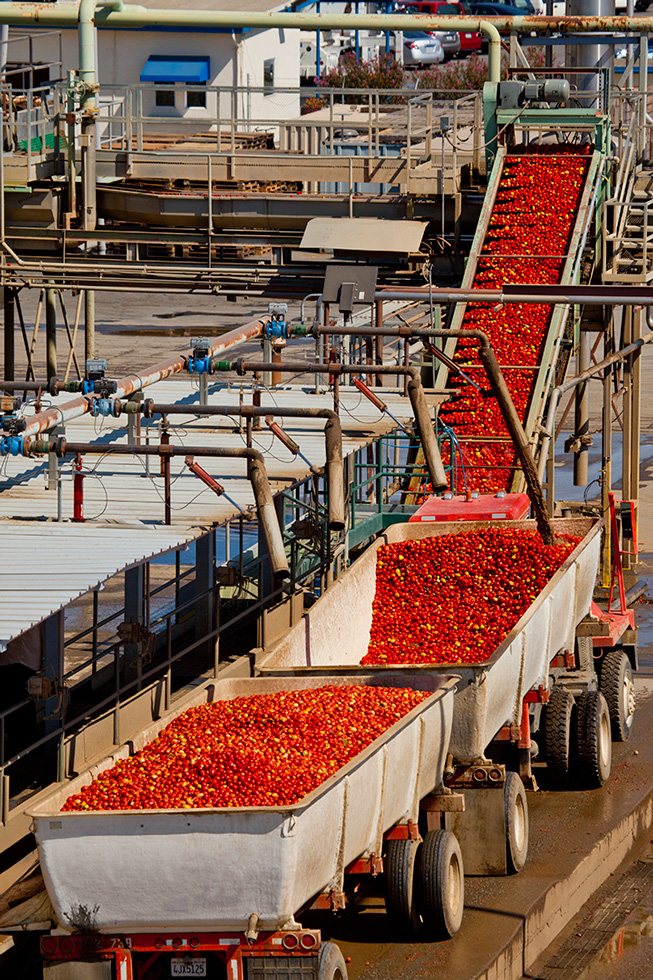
pixel 627 231
pixel 241 119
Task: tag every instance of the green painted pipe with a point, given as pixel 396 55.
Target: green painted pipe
pixel 66 14
pixel 83 14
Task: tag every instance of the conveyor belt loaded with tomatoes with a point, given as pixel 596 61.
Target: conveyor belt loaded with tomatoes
pixel 527 241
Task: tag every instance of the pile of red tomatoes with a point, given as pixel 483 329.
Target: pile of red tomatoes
pixel 526 242
pixel 263 750
pixel 453 598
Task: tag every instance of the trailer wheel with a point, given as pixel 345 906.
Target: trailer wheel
pixel 330 963
pixel 557 733
pixel 400 892
pixel 593 739
pixel 619 691
pixel 516 814
pixel 440 885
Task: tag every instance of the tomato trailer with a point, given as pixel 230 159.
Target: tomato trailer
pixel 149 893
pixel 500 703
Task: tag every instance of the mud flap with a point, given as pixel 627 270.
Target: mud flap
pixel 481 831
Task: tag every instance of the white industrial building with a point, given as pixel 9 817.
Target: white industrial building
pixel 169 59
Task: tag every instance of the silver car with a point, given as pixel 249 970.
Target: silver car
pixel 421 49
pixel 450 41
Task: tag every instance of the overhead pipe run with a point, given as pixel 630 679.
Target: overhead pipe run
pixel 332 437
pixel 265 509
pixel 423 422
pixel 130 16
pixel 536 293
pixel 132 383
pixel 499 390
pixel 579 379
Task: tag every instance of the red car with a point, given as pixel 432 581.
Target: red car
pixel 468 41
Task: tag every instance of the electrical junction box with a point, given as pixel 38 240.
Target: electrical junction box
pixel 480 507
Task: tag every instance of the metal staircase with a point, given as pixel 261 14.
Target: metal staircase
pixel 628 220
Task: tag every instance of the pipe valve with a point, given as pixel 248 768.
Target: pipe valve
pixel 200 360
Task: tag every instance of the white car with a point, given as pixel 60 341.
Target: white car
pixel 421 49
pixel 559 8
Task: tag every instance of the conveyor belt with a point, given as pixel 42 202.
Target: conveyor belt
pixel 531 231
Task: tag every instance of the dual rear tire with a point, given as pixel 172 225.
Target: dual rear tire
pixel 578 738
pixel 619 691
pixel 425 885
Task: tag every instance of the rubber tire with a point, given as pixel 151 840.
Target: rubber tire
pixel 618 690
pixel 593 741
pixel 330 963
pixel 516 815
pixel 557 734
pixel 440 885
pixel 400 867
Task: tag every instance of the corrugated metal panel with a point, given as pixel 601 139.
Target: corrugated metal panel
pixel 45 567
pixel 118 488
pixel 45 564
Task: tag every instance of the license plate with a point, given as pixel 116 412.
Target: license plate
pixel 188 968
pixel 468 35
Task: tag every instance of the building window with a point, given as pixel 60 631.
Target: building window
pixel 164 98
pixel 196 100
pixel 268 73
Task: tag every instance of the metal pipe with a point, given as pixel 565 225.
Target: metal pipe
pixel 88 88
pixel 256 472
pixel 550 295
pixel 51 333
pixel 65 14
pixel 332 436
pixel 582 418
pixel 423 422
pixel 559 391
pixel 520 441
pixel 267 517
pixel 501 393
pixel 136 382
pixel 89 323
pixel 9 297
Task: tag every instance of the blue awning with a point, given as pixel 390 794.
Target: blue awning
pixel 171 68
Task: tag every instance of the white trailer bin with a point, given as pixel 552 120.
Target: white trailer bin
pixel 139 871
pixel 334 635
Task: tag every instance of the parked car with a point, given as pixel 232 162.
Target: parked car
pixel 469 41
pixel 519 8
pixel 559 7
pixel 421 49
pixel 495 8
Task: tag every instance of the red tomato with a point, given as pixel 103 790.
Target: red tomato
pixel 453 598
pixel 263 750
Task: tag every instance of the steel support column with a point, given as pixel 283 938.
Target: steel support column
pixel 134 613
pixel 626 339
pixel 635 421
pixel 51 333
pixel 606 451
pixel 89 323
pixel 9 338
pixel 204 584
pixel 582 414
pixel 54 667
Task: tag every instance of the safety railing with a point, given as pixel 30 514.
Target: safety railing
pixel 312 123
pixel 32 124
pixel 627 234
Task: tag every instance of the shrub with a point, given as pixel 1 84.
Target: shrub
pixel 382 72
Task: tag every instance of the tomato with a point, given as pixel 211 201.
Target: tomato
pixel 454 598
pixel 526 242
pixel 263 750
